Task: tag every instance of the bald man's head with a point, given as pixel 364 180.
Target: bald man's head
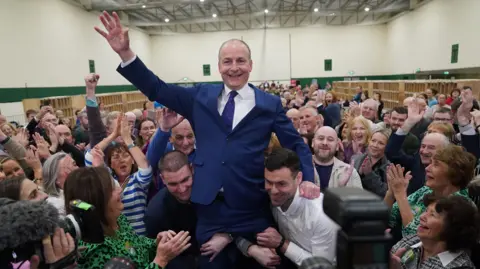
pixel 326 130
pixel 183 138
pixel 64 132
pixel 234 43
pixel 325 144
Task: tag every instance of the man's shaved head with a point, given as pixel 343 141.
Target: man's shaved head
pixel 235 42
pixel 326 130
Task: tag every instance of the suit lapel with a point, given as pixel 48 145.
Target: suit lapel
pixel 256 110
pixel 212 104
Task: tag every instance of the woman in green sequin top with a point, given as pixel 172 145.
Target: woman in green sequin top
pixel 449 173
pixel 95 186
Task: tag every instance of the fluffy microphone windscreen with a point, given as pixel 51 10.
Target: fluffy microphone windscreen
pixel 25 221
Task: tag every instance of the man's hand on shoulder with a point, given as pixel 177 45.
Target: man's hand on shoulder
pixel 309 190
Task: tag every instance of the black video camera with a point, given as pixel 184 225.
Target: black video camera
pixel 83 224
pixel 362 242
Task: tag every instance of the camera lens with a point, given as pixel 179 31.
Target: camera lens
pixel 71 226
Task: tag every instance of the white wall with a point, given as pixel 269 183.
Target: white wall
pixel 358 48
pixel 49 42
pixel 424 38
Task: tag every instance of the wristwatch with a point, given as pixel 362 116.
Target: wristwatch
pixel 130 146
pixel 282 242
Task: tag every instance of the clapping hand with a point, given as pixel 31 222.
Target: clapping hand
pixel 98 157
pixel 52 135
pixel 22 137
pixel 366 167
pixel 32 159
pixel 125 130
pixel 463 111
pixel 42 146
pixel 397 181
pixel 347 174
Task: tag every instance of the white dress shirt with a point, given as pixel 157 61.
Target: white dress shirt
pixel 310 231
pixel 244 102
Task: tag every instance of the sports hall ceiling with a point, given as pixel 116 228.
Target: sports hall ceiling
pixel 192 16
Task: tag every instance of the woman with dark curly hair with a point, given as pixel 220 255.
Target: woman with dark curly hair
pixel 448 229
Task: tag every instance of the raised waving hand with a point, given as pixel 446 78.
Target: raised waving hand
pixel 116 35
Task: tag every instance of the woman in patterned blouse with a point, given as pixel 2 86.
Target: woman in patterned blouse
pixel 448 174
pixel 95 186
pixel 449 228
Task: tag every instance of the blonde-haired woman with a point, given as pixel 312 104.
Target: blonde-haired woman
pixel 372 165
pixel 358 135
pixel 442 128
pixel 9 130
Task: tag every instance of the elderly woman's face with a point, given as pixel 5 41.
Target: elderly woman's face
pixel 437 175
pixel 431 224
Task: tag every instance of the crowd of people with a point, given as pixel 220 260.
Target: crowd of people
pixel 230 176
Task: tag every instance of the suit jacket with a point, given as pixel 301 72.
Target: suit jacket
pixel 411 163
pixel 233 159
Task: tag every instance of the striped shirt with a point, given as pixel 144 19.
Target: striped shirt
pixel 134 196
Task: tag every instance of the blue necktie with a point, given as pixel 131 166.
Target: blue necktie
pixel 229 110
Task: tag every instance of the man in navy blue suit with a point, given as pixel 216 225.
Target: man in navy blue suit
pixel 233 123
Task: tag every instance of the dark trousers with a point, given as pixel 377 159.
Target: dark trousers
pixel 183 262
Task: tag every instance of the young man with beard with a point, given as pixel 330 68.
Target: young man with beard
pixel 331 171
pixel 304 230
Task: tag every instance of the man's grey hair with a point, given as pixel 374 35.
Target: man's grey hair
pixel 50 171
pixel 313 109
pixel 375 103
pixel 232 41
pixel 111 117
pixel 82 114
pixel 444 138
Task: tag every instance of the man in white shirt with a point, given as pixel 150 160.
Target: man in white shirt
pixel 304 228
